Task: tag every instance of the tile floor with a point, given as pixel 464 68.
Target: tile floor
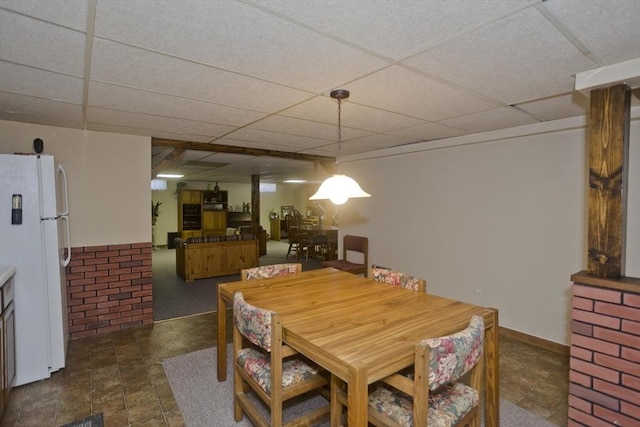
pixel 120 374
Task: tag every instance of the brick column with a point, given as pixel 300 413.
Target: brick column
pixel 109 288
pixel 604 379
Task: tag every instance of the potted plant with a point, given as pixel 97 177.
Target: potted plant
pixel 155 211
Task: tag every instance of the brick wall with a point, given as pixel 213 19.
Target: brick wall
pixel 109 288
pixel 604 380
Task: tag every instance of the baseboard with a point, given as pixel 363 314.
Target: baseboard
pixel 535 341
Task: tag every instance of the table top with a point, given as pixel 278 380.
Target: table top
pixel 344 321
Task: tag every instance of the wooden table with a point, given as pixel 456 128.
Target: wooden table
pixel 360 330
pixel 331 231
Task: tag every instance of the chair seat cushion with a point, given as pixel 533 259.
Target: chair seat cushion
pixel 447 405
pixel 258 365
pixel 343 265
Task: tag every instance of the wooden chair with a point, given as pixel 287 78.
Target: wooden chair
pixel 273 270
pixel 432 393
pixel 271 370
pixel 352 244
pixel 304 241
pixel 398 278
pixel 293 238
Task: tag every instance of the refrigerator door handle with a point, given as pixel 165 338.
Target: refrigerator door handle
pixel 65 193
pixel 67 258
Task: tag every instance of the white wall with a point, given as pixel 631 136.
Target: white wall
pixel 505 211
pixel 108 175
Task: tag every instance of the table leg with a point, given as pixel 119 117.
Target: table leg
pixel 492 389
pixel 357 398
pixel 222 338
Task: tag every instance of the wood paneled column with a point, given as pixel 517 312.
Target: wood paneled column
pixel 608 171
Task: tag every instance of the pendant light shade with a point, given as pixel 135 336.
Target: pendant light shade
pixel 339 188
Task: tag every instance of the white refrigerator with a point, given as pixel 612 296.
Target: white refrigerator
pixel 34 238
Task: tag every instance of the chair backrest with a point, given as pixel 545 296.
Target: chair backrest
pixel 273 270
pixel 398 279
pixel 355 244
pixel 452 356
pixel 253 323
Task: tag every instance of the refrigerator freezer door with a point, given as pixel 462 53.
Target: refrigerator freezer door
pixel 21 247
pixel 56 292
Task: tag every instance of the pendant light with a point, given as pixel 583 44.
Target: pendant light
pixel 339 188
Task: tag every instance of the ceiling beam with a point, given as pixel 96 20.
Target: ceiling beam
pixel 174 156
pixel 204 146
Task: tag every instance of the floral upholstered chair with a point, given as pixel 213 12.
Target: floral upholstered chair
pixel 266 271
pixel 269 369
pixel 398 278
pixel 439 365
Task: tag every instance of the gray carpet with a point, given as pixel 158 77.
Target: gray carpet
pixel 204 401
pixel 172 297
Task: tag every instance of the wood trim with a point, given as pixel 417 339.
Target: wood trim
pixel 535 341
pixel 205 146
pixel 627 284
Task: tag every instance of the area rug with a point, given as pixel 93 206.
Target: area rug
pixel 204 401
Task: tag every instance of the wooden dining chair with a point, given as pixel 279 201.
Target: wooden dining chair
pixel 269 369
pixel 432 391
pixel 304 240
pixel 350 246
pixel 398 278
pixel 273 270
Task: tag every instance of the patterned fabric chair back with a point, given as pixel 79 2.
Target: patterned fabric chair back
pixel 398 279
pixel 253 323
pixel 274 270
pixel 455 355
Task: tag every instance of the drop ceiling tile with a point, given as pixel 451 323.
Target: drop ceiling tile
pixel 27 109
pixel 428 132
pixel 395 28
pixel 29 81
pixel 139 101
pixel 520 58
pixel 102 127
pixel 484 121
pixel 236 37
pixel 274 139
pixel 405 92
pixel 325 109
pixel 40 44
pixel 293 126
pixel 145 121
pixel 379 141
pixel 131 67
pixel 228 157
pixel 557 107
pixel 67 13
pixel 611 30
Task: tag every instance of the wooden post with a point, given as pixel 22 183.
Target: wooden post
pixel 255 205
pixel 608 171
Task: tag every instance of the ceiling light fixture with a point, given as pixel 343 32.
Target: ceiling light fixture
pixel 169 175
pixel 339 188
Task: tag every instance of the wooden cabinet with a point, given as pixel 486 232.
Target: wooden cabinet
pixel 7 336
pixel 278 229
pixel 211 259
pixel 214 223
pixel 202 213
pixel 189 213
